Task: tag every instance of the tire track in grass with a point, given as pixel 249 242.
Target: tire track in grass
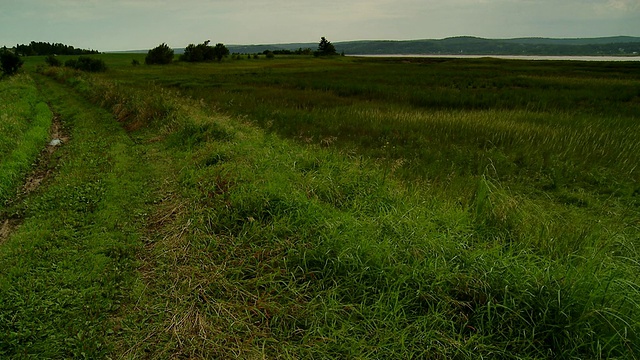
pixel 71 264
pixel 43 169
pixel 25 122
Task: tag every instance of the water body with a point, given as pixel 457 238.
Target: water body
pixel 514 57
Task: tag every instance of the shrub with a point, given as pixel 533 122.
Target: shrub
pixel 71 63
pixel 160 55
pixel 135 62
pixel 52 60
pixel 84 63
pixel 269 54
pixel 91 64
pixel 10 63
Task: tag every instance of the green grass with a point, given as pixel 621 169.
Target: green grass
pixel 430 209
pixel 536 118
pixel 24 130
pixel 69 264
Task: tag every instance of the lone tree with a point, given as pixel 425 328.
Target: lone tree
pixel 325 48
pixel 161 55
pixel 10 63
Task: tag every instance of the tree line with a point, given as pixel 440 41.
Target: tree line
pixel 163 54
pixel 10 61
pixel 45 48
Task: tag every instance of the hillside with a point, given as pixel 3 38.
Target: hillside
pixel 468 45
pixel 620 45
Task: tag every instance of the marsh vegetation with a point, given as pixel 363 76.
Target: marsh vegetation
pixel 303 207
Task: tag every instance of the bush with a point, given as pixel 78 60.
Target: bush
pixel 159 55
pixel 71 63
pixel 135 62
pixel 10 63
pixel 88 64
pixel 52 60
pixel 91 64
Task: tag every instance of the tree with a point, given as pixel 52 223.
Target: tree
pixel 325 48
pixel 161 55
pixel 220 51
pixel 192 53
pixel 204 52
pixel 198 53
pixel 10 63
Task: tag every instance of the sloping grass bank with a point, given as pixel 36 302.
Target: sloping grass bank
pixel 260 247
pixel 24 129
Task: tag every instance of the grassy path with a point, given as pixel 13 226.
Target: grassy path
pixel 72 261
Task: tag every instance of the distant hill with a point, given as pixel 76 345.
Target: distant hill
pixel 577 41
pixel 468 45
pixel 478 46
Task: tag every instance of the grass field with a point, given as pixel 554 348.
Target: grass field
pixel 333 208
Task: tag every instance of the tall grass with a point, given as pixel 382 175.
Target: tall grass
pixel 538 118
pixel 510 244
pixel 24 130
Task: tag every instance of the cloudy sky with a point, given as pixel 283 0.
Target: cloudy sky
pixel 107 25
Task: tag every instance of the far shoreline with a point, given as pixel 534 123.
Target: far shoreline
pixel 506 57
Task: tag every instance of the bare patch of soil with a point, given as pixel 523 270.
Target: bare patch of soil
pixel 42 169
pixel 6 228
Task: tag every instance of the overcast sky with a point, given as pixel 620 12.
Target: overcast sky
pixel 107 25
